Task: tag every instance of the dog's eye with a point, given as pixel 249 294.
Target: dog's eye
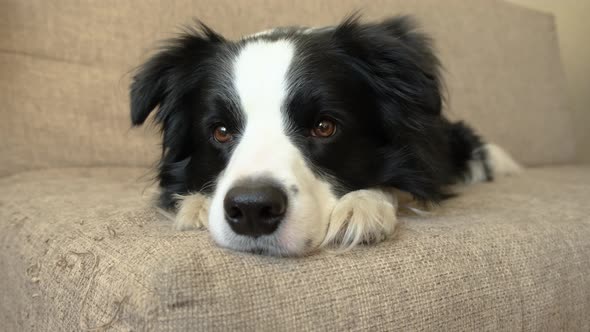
pixel 324 128
pixel 222 134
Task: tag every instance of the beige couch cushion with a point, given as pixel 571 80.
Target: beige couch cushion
pixel 82 248
pixel 64 71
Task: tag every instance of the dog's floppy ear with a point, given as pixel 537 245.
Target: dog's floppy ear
pixel 397 59
pixel 159 79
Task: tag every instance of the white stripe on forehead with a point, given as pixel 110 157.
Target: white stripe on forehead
pixel 260 77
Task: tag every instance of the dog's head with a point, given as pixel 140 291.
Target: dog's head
pixel 277 126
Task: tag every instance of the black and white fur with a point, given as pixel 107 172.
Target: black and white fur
pixel 378 82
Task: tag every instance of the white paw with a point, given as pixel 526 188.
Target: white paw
pixel 362 216
pixel 193 212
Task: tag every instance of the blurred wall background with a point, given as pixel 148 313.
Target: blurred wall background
pixel 573 28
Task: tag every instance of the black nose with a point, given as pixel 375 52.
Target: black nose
pixel 255 209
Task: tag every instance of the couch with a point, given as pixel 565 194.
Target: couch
pixel 83 249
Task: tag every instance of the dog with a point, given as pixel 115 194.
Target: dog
pixel 296 139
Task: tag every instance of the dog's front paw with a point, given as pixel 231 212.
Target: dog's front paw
pixel 362 216
pixel 193 212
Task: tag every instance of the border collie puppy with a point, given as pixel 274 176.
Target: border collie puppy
pixel 295 139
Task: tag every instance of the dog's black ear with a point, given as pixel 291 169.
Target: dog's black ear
pixel 397 59
pixel 398 64
pixel 148 88
pixel 161 76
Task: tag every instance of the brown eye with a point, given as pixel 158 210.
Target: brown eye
pixel 221 134
pixel 324 128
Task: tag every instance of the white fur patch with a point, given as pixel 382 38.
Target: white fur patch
pixel 362 216
pixel 499 161
pixel 192 212
pixel 477 171
pixel 260 76
pixel 261 33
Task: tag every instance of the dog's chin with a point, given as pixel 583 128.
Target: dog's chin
pixel 268 245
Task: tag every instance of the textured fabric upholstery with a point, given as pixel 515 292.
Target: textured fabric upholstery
pixel 81 248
